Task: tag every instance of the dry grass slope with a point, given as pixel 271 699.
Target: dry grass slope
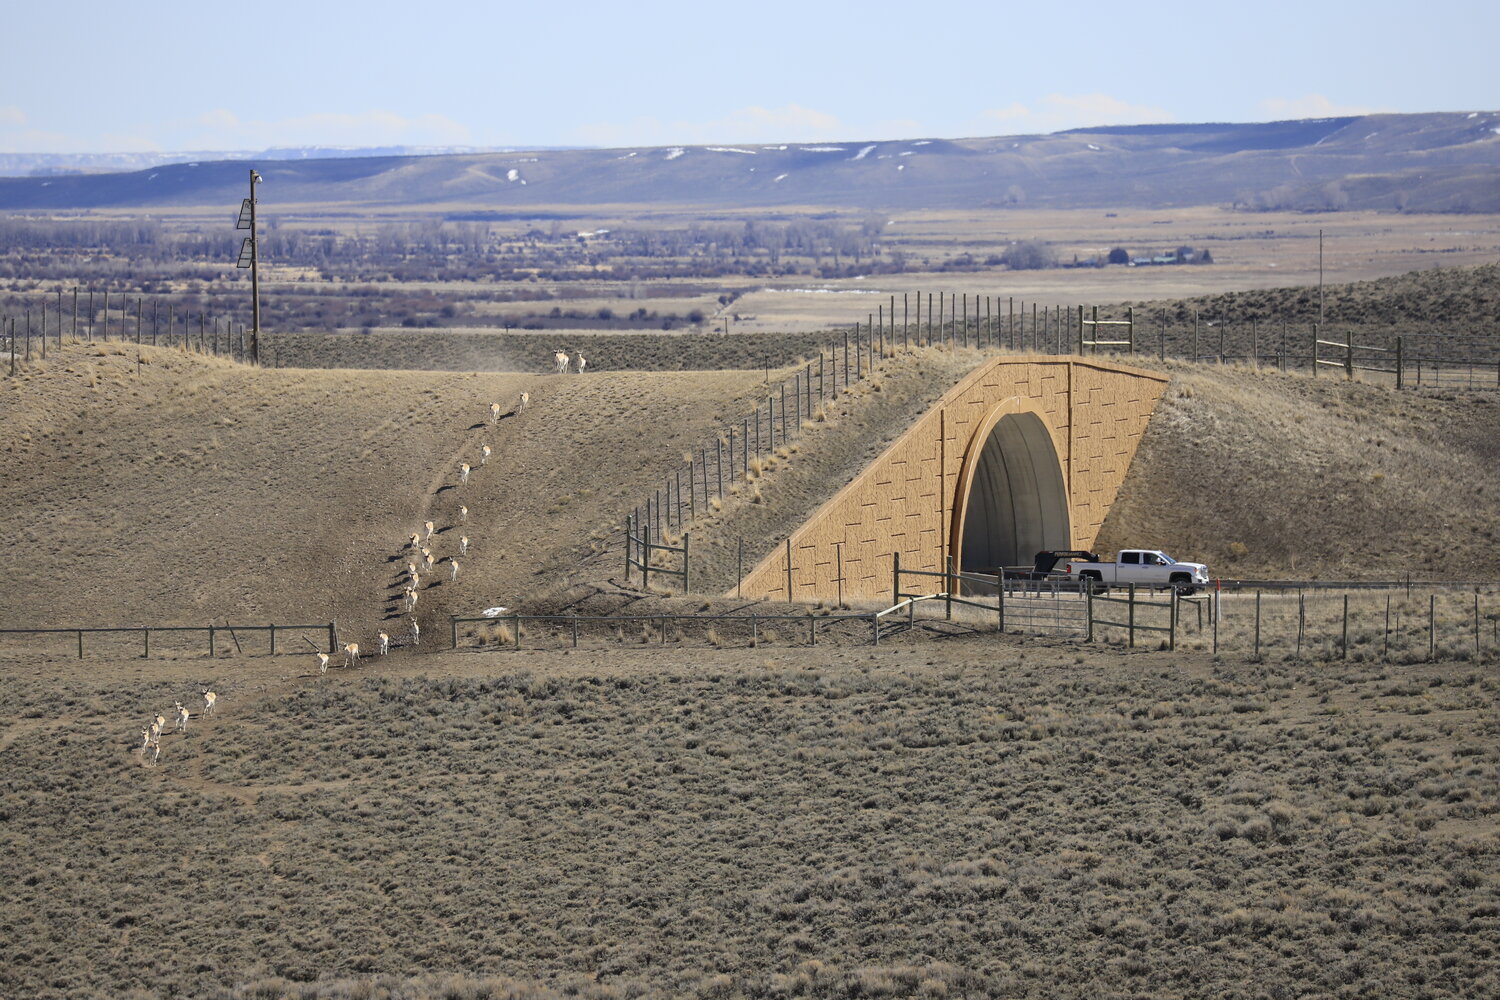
pixel 1267 475
pixel 196 490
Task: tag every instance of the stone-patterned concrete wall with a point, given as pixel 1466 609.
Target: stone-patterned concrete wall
pixel 905 501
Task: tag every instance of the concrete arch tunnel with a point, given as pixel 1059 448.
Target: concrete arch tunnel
pixel 1023 454
pixel 1011 499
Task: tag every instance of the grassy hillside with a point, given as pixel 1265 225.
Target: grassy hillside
pixel 1261 474
pixel 194 490
pixel 1451 312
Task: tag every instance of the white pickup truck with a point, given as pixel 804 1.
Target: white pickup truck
pixel 1142 567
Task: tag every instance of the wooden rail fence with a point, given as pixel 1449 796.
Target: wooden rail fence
pixel 213 633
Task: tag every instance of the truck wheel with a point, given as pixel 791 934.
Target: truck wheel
pixel 1183 585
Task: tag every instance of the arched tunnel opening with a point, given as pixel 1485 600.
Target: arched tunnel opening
pixel 1016 501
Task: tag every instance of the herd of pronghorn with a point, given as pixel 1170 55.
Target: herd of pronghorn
pixel 151 735
pixel 420 560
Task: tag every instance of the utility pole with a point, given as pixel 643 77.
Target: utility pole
pixel 250 257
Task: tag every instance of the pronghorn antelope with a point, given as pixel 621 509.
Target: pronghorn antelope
pixel 494 413
pixel 416 632
pixel 161 723
pixel 463 514
pixel 411 599
pixel 582 362
pixel 485 451
pixel 322 663
pixel 427 560
pixel 525 401
pixel 463 472
pixel 452 569
pixel 182 717
pixel 153 749
pixel 463 545
pixel 560 362
pixel 385 642
pixel 351 654
pixel 208 701
pixel 416 540
pixel 428 527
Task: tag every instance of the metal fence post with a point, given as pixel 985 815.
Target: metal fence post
pixel 685 588
pixel 948 588
pixel 1130 618
pixel 210 640
pixel 452 632
pixel 895 578
pixel 273 638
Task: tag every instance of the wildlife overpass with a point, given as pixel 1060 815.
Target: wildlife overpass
pixel 1025 454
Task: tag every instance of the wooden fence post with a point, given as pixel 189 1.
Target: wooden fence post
pixel 1431 627
pixel 1344 651
pixel 1257 625
pixel 1130 618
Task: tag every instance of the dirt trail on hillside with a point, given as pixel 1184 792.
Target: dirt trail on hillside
pixel 200 491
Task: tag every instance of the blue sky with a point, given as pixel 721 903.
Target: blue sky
pixel 111 77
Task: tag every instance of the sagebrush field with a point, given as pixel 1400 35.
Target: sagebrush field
pixel 978 817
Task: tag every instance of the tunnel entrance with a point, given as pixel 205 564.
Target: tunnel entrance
pixel 1012 500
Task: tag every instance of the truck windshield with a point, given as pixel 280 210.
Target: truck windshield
pixel 1166 559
